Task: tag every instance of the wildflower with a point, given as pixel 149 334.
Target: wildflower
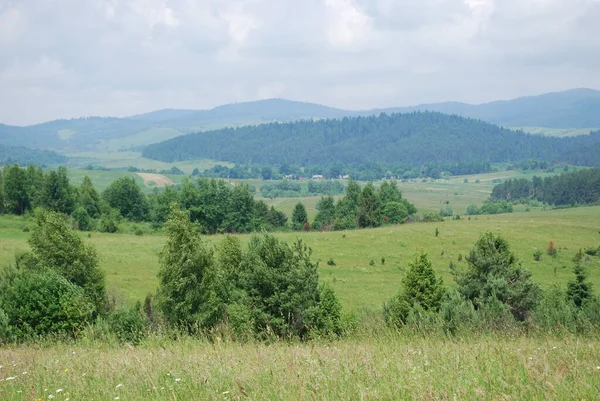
pixel 117 397
pixel 50 396
pixel 10 378
pixel 24 373
pixel 597 367
pixel 119 385
pixel 60 390
pixel 225 392
pixel 178 380
pixel 67 370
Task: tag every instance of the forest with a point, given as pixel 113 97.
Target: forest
pixel 415 139
pixel 571 188
pixel 25 156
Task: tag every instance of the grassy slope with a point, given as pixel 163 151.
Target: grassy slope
pixel 371 369
pixel 131 262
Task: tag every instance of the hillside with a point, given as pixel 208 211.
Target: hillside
pixel 574 109
pixel 414 138
pixel 24 156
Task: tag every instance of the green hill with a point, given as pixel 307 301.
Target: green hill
pixel 25 156
pixel 415 138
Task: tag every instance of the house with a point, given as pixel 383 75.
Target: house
pixel 317 177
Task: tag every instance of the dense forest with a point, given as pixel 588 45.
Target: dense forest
pixel 578 187
pixel 415 138
pixel 294 189
pixel 25 156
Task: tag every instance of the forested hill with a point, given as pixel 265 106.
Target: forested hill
pixel 414 138
pixel 24 156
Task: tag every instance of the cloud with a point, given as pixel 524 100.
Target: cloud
pixel 118 57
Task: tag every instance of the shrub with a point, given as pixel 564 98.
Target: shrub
pixel 446 211
pixel 419 287
pixel 56 246
pixel 328 314
pixel 82 218
pixel 371 262
pixel 537 255
pixel 331 262
pixel 128 325
pixel 494 274
pixel 42 302
pixel 551 249
pixel 579 291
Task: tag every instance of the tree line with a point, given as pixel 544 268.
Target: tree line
pixel 25 156
pixel 295 189
pixel 572 188
pixel 413 138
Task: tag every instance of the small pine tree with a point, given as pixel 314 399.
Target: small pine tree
pixel 580 290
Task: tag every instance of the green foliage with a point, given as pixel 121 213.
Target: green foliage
pixel 396 212
pixel 420 287
pixel 56 193
pixel 184 276
pixel 25 156
pixel 369 207
pixel 42 302
pixel 472 210
pixel 537 255
pixel 410 138
pixel 56 246
pixel 578 187
pixel 89 198
pixel 327 318
pixel 494 274
pixel 16 191
pixel 330 262
pixel 109 221
pixel 126 196
pixel 446 211
pixel 579 291
pixel 299 216
pixel 281 285
pixel 129 325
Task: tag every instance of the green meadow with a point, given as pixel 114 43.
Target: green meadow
pixel 369 264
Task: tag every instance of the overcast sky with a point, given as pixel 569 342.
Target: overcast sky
pixel 72 58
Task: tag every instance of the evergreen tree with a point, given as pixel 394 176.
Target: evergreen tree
pixel 495 275
pixel 369 208
pixel 299 216
pixel 56 193
pixel 579 290
pixel 186 292
pixel 325 213
pixel 89 198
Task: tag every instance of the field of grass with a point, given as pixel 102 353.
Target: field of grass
pixel 388 368
pixel 559 132
pixel 128 159
pixel 131 262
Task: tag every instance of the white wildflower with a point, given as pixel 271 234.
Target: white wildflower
pixel 119 385
pixel 60 390
pixel 10 378
pixel 178 380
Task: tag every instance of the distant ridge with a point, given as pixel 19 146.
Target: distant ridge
pixel 575 109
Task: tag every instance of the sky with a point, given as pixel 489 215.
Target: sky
pixel 74 58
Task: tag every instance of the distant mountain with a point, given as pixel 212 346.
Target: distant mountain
pixel 24 156
pixel 413 138
pixel 574 109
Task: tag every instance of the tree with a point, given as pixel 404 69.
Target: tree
pixel 369 208
pixel 186 282
pixel 346 210
pixel 325 213
pixel 266 173
pixel 389 192
pixel 56 246
pixel 56 193
pixel 240 210
pixel 281 286
pixel 16 193
pixel 396 212
pixel 579 290
pixel 126 196
pixel 299 216
pixel 419 287
pixel 276 218
pixel 495 275
pixel 89 198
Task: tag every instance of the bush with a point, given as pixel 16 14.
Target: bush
pixel 419 287
pixel 331 262
pixel 56 246
pixel 537 255
pixel 128 325
pixel 328 314
pixel 494 274
pixel 82 218
pixel 42 302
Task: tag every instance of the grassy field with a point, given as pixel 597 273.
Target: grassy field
pixel 134 159
pixel 380 368
pixel 131 262
pixel 559 132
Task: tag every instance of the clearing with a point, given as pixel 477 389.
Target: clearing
pixel 155 180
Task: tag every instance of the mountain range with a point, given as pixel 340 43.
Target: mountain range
pixel 572 109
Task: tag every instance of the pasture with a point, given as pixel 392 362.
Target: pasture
pixel 131 262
